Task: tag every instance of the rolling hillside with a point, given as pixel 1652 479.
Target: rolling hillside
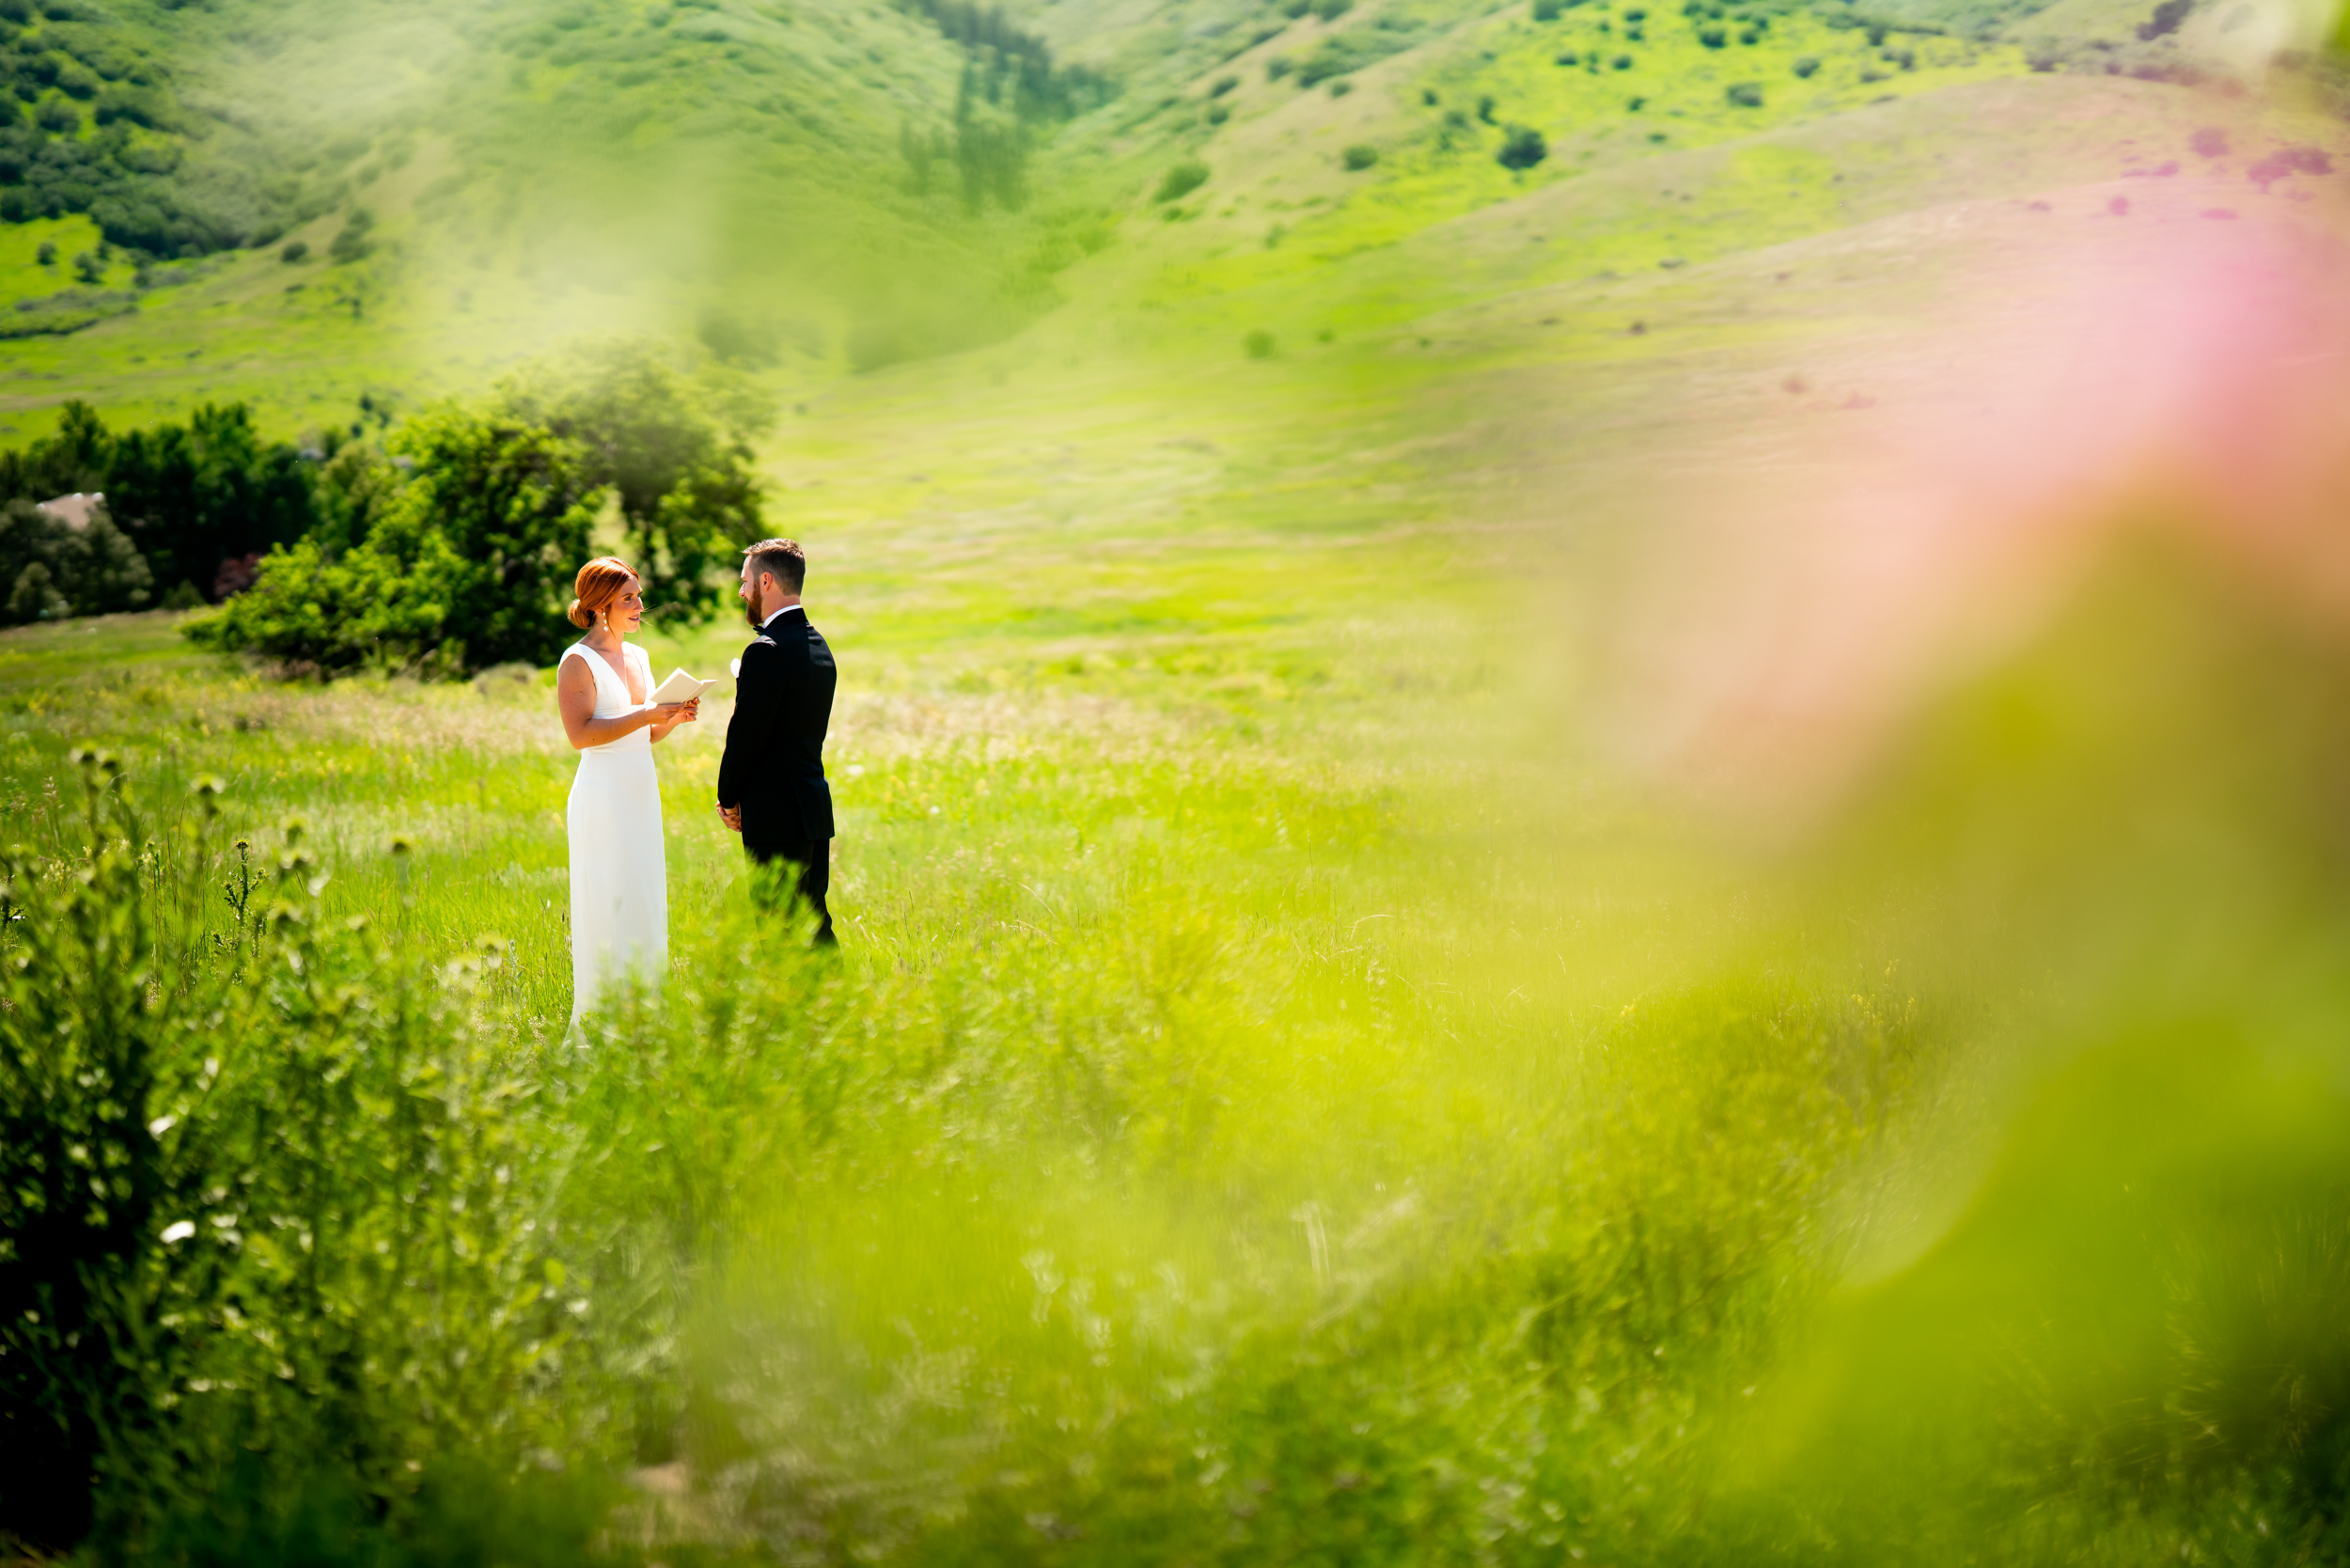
pixel 820 191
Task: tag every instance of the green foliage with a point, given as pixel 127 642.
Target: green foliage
pixel 294 251
pixel 1807 65
pixel 1360 156
pixel 1013 65
pixel 50 568
pixel 1521 147
pixel 286 1242
pixel 1744 95
pixel 1259 344
pixel 186 495
pixel 468 565
pixel 193 495
pixel 354 240
pixel 1548 10
pixel 1181 180
pixel 676 455
pixel 737 337
pixel 1350 51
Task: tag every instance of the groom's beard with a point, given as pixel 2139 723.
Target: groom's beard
pixel 750 613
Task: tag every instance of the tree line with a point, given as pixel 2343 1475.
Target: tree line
pixel 451 545
pixel 182 500
pixel 1008 87
pixel 441 546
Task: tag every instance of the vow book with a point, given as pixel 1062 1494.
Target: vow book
pixel 679 687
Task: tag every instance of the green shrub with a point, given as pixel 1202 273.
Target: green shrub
pixel 354 239
pixel 1257 344
pixel 1713 37
pixel 1522 148
pixel 1360 156
pixel 676 454
pixel 1181 180
pixel 468 566
pixel 1744 94
pixel 1548 10
pixel 295 250
pixel 1278 67
pixel 58 117
pixel 1344 53
pixel 288 1225
pixel 1222 84
pixel 1807 65
pixel 47 254
pixel 1330 10
pixel 737 337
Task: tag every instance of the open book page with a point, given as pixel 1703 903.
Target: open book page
pixel 679 687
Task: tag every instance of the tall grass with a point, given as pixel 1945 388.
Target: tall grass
pixel 1204 1153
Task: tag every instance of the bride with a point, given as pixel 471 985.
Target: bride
pixel 620 874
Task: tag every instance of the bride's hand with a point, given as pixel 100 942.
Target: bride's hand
pixel 689 711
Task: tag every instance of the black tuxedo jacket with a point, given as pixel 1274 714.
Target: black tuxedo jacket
pixel 773 766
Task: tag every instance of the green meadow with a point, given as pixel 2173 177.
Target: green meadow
pixel 1308 1077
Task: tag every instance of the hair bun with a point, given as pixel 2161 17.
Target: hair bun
pixel 598 584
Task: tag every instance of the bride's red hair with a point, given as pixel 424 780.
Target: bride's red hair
pixel 598 584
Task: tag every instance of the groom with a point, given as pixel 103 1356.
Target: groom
pixel 771 781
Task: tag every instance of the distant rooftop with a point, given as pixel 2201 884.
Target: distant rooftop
pixel 75 509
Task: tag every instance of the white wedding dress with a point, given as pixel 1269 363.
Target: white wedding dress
pixel 619 873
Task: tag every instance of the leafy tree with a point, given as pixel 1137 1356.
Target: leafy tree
pixel 1360 156
pixel 676 454
pixel 1522 148
pixel 1181 180
pixel 464 568
pixel 192 496
pixel 50 568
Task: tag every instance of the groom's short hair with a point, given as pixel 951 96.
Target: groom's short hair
pixel 781 556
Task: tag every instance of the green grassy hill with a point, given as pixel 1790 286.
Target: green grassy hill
pixel 820 190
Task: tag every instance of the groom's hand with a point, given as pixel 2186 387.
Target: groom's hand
pixel 732 817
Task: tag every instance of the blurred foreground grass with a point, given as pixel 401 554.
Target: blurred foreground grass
pixel 1272 1106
